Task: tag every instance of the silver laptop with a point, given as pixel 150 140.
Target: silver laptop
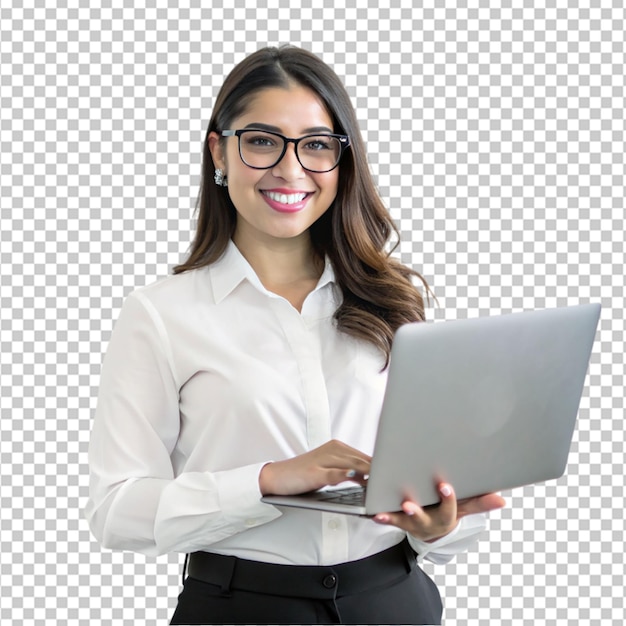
pixel 485 404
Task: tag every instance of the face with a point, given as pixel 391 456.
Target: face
pixel 264 214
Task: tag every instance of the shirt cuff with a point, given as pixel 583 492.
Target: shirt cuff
pixel 460 539
pixel 240 497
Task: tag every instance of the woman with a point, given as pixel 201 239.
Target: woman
pixel 260 366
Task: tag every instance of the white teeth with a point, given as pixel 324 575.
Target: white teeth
pixel 284 198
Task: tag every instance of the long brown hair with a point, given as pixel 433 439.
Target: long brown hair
pixel 378 292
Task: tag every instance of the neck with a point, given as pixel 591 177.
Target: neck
pixel 280 261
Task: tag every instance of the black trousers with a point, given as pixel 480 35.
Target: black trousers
pixel 387 588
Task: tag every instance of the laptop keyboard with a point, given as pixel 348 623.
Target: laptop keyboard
pixel 354 496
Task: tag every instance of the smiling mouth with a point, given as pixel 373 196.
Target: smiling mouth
pixel 284 198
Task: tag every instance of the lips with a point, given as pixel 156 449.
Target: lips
pixel 286 200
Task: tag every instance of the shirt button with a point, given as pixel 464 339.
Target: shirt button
pixel 329 581
pixel 333 524
pixel 250 522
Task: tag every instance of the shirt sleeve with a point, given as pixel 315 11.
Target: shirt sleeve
pixel 135 500
pixel 463 537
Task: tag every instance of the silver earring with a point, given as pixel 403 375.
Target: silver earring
pixel 220 178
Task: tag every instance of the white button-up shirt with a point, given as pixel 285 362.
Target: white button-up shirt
pixel 208 376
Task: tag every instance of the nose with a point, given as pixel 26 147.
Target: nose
pixel 289 167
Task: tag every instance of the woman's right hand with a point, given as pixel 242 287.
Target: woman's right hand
pixel 332 463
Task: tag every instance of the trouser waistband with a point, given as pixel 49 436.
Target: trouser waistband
pixel 303 581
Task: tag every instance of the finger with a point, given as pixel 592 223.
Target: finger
pixel 353 464
pixel 443 513
pixel 357 464
pixel 362 465
pixel 358 477
pixel 446 512
pixel 335 476
pixel 411 515
pixel 400 520
pixel 481 504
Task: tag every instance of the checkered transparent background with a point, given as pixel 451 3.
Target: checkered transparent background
pixel 496 133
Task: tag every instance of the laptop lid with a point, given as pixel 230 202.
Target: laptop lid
pixel 486 404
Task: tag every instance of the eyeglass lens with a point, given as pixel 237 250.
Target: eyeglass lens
pixel 318 153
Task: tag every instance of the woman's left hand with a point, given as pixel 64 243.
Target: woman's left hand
pixel 433 522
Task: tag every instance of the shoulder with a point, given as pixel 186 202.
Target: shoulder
pixel 174 293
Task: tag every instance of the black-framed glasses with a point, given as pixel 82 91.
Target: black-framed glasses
pixel 263 149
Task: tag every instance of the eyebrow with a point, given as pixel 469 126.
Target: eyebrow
pixel 276 129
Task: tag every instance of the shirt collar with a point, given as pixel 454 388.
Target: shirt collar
pixel 328 275
pixel 232 269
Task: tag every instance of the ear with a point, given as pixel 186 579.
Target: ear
pixel 217 153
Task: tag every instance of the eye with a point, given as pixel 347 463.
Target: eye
pixel 319 143
pixel 256 140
